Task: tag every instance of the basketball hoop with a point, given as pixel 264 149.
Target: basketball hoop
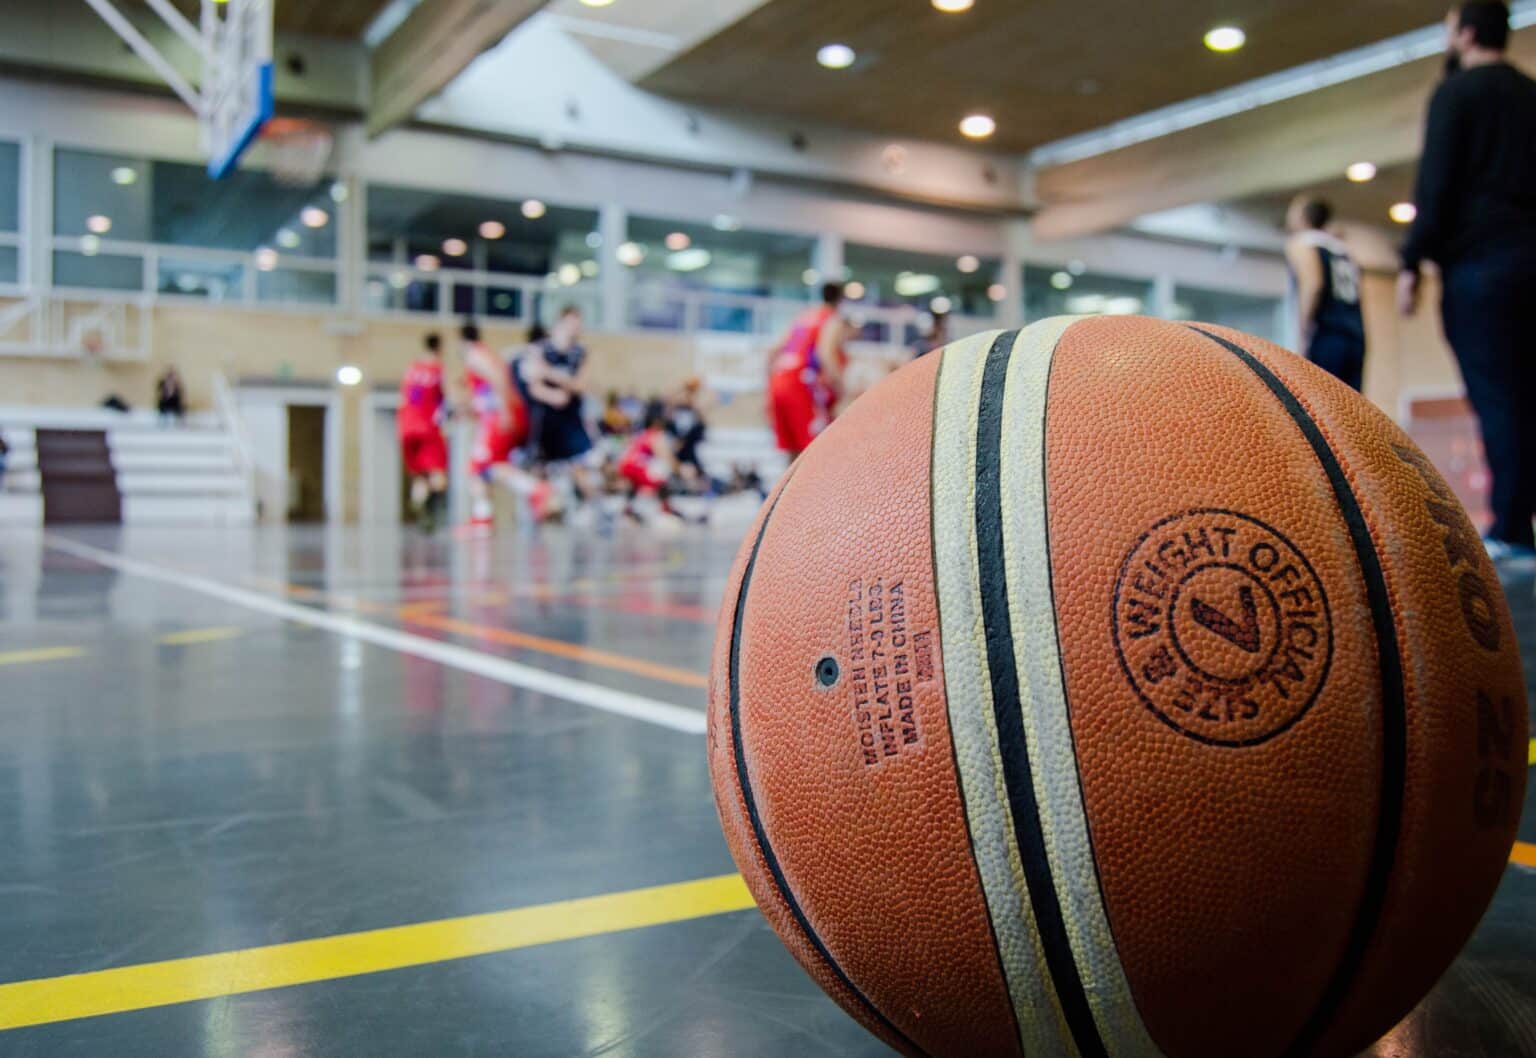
pixel 297 151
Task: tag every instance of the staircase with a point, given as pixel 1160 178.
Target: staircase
pixel 85 464
pixel 76 477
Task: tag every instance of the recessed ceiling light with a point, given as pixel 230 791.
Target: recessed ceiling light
pixel 678 240
pixel 492 229
pixel 533 209
pixel 314 217
pixel 597 3
pixel 940 305
pixel 953 7
pixel 266 259
pixel 835 56
pixel 570 274
pixel 630 254
pixel 854 291
pixel 90 245
pixel 339 192
pixel 455 247
pixel 1062 280
pixel 594 239
pixel 968 263
pixel 124 175
pixel 997 292
pixel 98 224
pixel 400 280
pixel 589 268
pixel 1225 38
pixel 1403 212
pixel 810 277
pixel 288 239
pixel 426 262
pixel 977 126
pixel 1360 172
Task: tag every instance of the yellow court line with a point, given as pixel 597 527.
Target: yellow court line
pixel 199 635
pixel 161 984
pixel 1530 757
pixel 24 657
pixel 1523 854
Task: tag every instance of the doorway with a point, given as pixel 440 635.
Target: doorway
pixel 306 463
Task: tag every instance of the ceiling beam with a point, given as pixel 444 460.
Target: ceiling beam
pixel 1295 143
pixel 430 48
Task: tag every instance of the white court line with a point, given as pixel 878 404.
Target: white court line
pixel 512 673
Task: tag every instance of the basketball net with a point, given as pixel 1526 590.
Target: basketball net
pixel 296 150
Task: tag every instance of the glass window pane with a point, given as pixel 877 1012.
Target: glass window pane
pixel 1252 314
pixel 1070 291
pixel 10 265
pixel 669 256
pixel 296 286
pixel 10 186
pixel 101 271
pixel 130 199
pixel 930 282
pixel 481 234
pixel 192 278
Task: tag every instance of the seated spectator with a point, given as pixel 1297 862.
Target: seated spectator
pixel 5 450
pixel 169 399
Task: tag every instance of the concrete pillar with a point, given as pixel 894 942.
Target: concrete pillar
pixel 613 278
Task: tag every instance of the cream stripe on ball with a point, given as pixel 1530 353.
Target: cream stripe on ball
pixel 1042 694
pixel 968 691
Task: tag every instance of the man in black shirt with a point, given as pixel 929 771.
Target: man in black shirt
pixel 1476 199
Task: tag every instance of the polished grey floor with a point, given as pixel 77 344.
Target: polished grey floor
pixel 269 782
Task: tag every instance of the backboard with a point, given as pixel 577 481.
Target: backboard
pixel 236 94
pixel 233 42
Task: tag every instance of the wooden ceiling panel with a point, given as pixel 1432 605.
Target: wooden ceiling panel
pixel 1044 68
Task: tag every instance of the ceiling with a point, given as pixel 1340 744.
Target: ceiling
pixel 326 18
pixel 1365 203
pixel 1044 69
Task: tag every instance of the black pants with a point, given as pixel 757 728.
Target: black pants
pixel 1341 355
pixel 1489 308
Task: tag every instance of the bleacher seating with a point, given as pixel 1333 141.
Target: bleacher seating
pixel 166 475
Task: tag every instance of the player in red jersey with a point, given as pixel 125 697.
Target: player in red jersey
pixel 503 424
pixel 647 464
pixel 806 372
pixel 419 421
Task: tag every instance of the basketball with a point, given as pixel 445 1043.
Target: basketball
pixel 1118 687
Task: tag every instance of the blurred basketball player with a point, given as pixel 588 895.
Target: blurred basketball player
pixel 1327 292
pixel 1476 199
pixel 937 336
pixel 805 374
pixel 555 372
pixel 419 421
pixel 647 465
pixel 501 424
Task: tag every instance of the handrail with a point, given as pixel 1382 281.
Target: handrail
pixel 229 410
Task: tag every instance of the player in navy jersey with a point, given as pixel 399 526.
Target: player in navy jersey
pixel 1327 292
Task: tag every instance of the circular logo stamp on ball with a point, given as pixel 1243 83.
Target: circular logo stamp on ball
pixel 1222 627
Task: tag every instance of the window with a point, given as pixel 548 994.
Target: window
pixel 10 212
pixel 1254 314
pixel 700 277
pixel 429 252
pixel 1071 290
pixel 115 216
pixel 931 282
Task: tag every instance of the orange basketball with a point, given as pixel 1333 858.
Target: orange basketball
pixel 1119 688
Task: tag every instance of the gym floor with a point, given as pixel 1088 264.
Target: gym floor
pixel 232 759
